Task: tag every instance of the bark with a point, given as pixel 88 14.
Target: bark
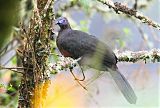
pixel 34 54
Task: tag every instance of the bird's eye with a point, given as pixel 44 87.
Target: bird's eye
pixel 62 21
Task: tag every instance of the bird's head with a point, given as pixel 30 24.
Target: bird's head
pixel 62 22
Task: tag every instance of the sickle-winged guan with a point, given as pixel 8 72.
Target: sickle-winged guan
pixel 93 53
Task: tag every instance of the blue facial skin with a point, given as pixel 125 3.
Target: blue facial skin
pixel 61 21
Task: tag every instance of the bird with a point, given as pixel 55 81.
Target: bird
pixel 93 53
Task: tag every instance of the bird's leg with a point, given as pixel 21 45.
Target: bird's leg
pixel 78 62
pixel 82 74
pixel 71 70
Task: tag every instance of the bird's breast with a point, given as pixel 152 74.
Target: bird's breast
pixel 65 53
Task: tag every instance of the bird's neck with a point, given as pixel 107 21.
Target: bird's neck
pixel 65 27
pixel 63 31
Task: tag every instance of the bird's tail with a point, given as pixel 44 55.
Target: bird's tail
pixel 124 86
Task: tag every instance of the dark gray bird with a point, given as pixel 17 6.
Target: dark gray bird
pixel 93 53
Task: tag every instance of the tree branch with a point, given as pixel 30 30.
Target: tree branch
pixel 118 7
pixel 146 56
pixel 127 56
pixel 14 69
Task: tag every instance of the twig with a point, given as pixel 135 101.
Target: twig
pixel 36 10
pixel 47 6
pixel 2 67
pixel 118 7
pixel 135 5
pixel 12 69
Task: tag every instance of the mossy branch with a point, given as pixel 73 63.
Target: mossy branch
pixel 118 7
pixel 126 56
pixel 146 56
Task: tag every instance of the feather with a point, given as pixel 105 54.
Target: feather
pixel 124 86
pixel 94 53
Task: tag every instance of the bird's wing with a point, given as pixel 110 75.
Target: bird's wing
pixel 80 44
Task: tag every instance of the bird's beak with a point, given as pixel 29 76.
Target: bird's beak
pixel 56 22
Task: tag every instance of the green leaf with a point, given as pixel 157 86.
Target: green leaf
pixel 10 88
